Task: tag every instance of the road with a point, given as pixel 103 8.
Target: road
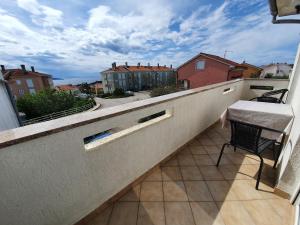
pixel 105 103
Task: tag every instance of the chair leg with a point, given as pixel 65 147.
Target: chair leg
pixel 259 171
pixel 275 156
pixel 221 153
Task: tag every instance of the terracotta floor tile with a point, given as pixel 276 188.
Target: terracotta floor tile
pixel 219 140
pixel 234 213
pixel 186 160
pixel 185 151
pixel 221 191
pixel 102 218
pixel 171 173
pixel 211 173
pixel 198 150
pixel 245 190
pixel 236 158
pixel 224 160
pixel 284 209
pixel 249 171
pixel 151 191
pixel 191 173
pixel 124 213
pixel 206 213
pixel 203 160
pixel 178 213
pixel 262 213
pixel 155 175
pixel 212 149
pixel 230 172
pixel 133 195
pixel 206 141
pixel 174 191
pixel 172 162
pixel 151 213
pixel 198 191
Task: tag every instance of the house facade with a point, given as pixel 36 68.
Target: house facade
pixel 276 70
pixel 68 88
pixel 137 78
pixel 205 69
pixel 251 71
pixel 22 81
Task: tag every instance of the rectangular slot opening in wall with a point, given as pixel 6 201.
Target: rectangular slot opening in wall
pixel 94 141
pixel 262 87
pixel 151 117
pixel 228 90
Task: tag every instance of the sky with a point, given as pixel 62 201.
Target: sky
pixel 76 39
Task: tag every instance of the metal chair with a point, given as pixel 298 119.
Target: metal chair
pixel 267 97
pixel 248 137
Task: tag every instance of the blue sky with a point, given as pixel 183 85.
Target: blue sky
pixel 76 39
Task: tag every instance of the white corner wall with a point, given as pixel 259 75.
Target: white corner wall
pixel 8 118
pixel 289 175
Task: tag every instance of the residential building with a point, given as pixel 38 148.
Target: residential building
pixel 251 71
pixel 96 87
pixel 137 78
pixel 68 88
pixel 9 117
pixel 23 81
pixel 276 70
pixel 205 69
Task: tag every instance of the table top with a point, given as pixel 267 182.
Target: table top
pixel 269 115
pixel 263 107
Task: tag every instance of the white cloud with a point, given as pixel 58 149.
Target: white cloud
pixel 141 32
pixel 41 14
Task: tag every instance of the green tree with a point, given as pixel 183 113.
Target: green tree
pixel 48 101
pixel 85 88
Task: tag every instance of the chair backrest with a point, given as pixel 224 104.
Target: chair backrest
pixel 245 136
pixel 282 93
pixel 268 99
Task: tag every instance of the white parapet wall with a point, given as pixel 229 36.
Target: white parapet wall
pixel 49 176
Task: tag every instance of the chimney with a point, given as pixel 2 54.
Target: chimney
pixel 171 66
pixel 148 65
pixel 114 65
pixel 23 68
pixel 158 65
pixel 165 66
pixel 139 64
pixel 2 68
pixel 32 69
pixel 126 64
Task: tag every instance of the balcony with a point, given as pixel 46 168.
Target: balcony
pixel 161 171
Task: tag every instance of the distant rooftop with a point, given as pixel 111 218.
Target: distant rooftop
pixel 139 67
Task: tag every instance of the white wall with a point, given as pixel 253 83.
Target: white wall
pixel 290 165
pixel 54 180
pixel 8 118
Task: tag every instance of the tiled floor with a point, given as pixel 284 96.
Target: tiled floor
pixel 190 190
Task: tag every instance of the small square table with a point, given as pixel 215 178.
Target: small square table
pixel 276 119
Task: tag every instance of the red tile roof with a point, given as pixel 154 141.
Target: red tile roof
pixel 216 58
pixel 19 72
pixel 68 87
pixel 123 68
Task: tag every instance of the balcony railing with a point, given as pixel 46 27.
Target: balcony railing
pixel 49 175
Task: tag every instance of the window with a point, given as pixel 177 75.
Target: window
pixel 18 82
pixel 30 86
pixel 200 65
pixel 29 83
pixel 32 91
pixel 21 91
